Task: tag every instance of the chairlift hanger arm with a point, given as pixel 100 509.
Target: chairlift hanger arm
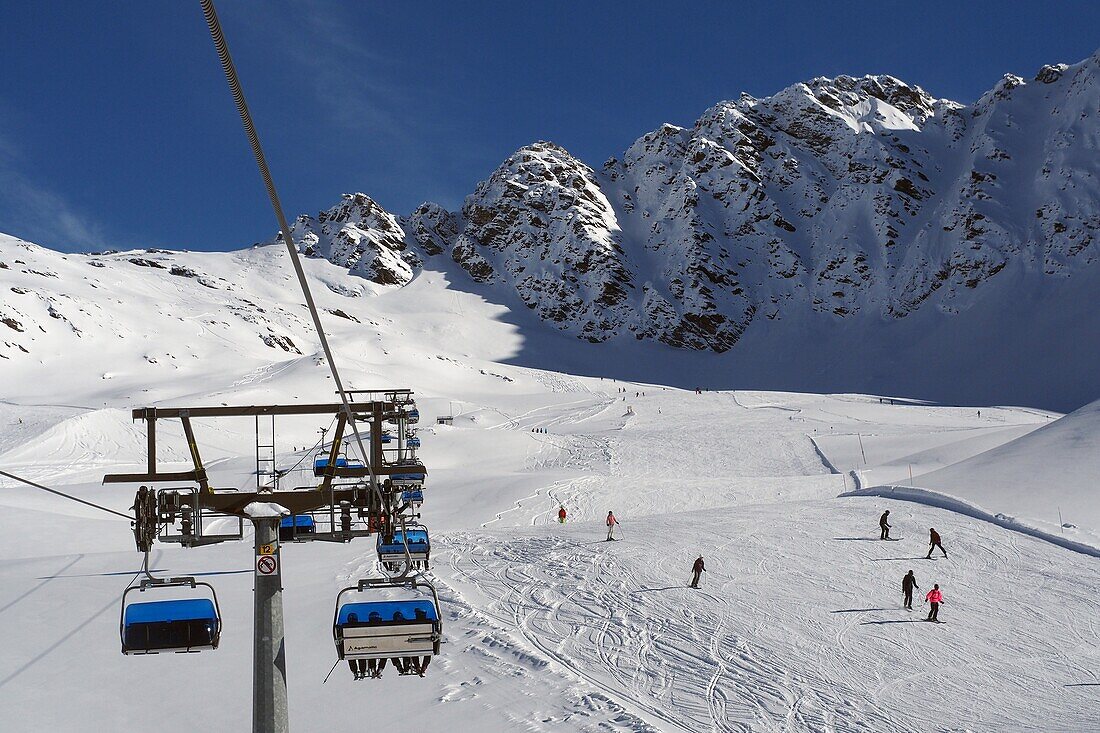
pixel 360 409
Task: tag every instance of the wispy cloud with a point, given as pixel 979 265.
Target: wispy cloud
pixel 36 214
pixel 351 82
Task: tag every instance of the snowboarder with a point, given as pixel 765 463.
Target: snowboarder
pixel 934 598
pixel 933 543
pixel 697 569
pixel 908 583
pixel 561 515
pixel 611 522
pixel 884 524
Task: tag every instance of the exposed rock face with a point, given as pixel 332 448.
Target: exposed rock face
pixel 836 196
pixel 432 228
pixel 360 235
pixel 541 224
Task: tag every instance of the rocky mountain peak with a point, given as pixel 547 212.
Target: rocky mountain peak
pixel 358 234
pixel 835 198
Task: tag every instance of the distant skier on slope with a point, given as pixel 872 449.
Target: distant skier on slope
pixel 884 524
pixel 934 598
pixel 697 569
pixel 611 522
pixel 934 542
pixel 908 584
pixel 561 514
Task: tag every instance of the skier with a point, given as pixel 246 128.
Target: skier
pixel 908 583
pixel 697 569
pixel 934 598
pixel 561 514
pixel 933 543
pixel 611 522
pixel 884 524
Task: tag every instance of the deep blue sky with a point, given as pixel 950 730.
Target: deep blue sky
pixel 117 129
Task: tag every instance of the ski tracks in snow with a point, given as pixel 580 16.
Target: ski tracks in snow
pixel 791 629
pixel 672 654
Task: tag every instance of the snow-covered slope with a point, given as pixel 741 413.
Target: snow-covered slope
pixel 1013 478
pixel 847 214
pixel 798 626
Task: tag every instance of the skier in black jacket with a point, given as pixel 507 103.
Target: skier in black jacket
pixel 934 542
pixel 885 524
pixel 697 569
pixel 908 583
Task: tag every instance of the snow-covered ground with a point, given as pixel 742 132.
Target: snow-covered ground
pixel 798 625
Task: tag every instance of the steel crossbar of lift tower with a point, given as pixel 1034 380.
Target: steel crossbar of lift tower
pixel 327 493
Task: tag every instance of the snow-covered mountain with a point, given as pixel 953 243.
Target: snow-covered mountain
pixel 834 196
pixel 847 234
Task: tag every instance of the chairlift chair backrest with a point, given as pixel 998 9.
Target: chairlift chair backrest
pixel 381 629
pixel 321 463
pixel 418 545
pixel 170 625
pixel 296 527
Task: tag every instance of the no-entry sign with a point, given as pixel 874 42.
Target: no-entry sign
pixel 267 564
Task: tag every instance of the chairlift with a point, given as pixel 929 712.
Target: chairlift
pixel 406 632
pixel 413 497
pixel 414 538
pixel 412 417
pixel 297 528
pixel 413 442
pixel 181 625
pixel 407 479
pixel 320 464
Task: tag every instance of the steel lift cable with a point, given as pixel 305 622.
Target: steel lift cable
pixel 67 496
pixel 230 70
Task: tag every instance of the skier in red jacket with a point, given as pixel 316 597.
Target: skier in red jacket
pixel 611 522
pixel 561 515
pixel 934 598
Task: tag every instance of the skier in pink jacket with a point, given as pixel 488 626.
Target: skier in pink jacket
pixel 611 522
pixel 934 598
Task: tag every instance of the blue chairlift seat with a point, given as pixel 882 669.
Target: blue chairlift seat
pixel 298 526
pixel 413 496
pixel 184 625
pixel 376 613
pixel 407 479
pixel 392 554
pixel 413 442
pixel 320 464
pixel 387 629
pixel 412 417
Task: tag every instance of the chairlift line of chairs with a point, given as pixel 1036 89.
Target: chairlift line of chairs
pixel 369 632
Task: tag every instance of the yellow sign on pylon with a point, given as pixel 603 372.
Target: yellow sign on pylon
pixel 268 549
